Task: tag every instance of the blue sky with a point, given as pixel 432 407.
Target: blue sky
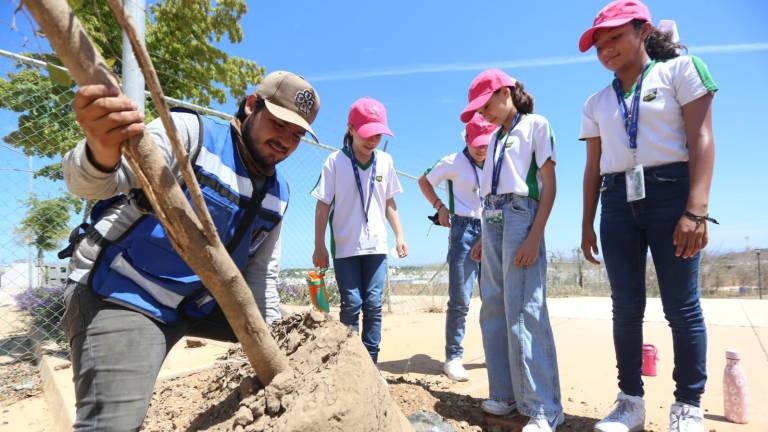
pixel 419 57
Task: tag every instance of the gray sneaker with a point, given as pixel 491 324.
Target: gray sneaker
pixel 685 418
pixel 498 408
pixel 627 415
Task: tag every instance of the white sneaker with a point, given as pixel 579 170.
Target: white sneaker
pixel 627 415
pixel 454 369
pixel 499 408
pixel 544 425
pixel 685 418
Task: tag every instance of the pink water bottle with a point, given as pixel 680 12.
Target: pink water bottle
pixel 649 360
pixel 736 402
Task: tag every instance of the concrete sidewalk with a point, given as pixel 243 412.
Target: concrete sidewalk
pixel 412 343
pixel 583 334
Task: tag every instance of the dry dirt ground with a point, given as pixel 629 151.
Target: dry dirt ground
pixel 227 397
pixel 412 362
pixel 331 373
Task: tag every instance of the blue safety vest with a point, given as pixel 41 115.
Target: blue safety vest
pixel 141 270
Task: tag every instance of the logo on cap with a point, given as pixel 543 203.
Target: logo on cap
pixel 304 101
pixel 373 110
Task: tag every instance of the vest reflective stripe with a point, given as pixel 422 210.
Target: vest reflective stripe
pixel 139 268
pixel 212 164
pixel 164 296
pixel 274 203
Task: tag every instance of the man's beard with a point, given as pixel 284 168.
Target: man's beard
pixel 264 166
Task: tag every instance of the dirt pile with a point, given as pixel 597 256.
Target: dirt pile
pixel 332 387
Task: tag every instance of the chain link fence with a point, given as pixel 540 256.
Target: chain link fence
pixel 37 214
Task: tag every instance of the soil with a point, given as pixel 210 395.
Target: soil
pixel 318 395
pixel 333 386
pixel 18 380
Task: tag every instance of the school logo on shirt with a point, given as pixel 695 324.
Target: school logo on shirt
pixel 510 142
pixel 651 95
pixel 379 178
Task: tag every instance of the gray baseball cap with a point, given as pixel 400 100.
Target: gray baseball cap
pixel 290 98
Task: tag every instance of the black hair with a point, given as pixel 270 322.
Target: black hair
pixel 659 44
pixel 256 108
pixel 347 140
pixel 522 100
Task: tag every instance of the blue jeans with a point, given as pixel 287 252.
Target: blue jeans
pixel 627 230
pixel 361 284
pixel 462 272
pixel 517 336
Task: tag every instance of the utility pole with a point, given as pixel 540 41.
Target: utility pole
pixel 580 276
pixel 133 79
pixel 759 275
pixel 30 270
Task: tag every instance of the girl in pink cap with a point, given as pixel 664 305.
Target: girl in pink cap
pixel 518 190
pixel 461 171
pixel 356 192
pixel 650 154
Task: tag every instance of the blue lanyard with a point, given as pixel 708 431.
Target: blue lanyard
pixel 630 116
pixel 474 171
pixel 355 169
pixel 497 166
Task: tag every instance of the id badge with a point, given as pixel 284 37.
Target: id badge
pixel 493 216
pixel 369 240
pixel 635 183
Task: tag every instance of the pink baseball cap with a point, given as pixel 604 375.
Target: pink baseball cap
pixel 614 14
pixel 477 132
pixel 482 88
pixel 369 117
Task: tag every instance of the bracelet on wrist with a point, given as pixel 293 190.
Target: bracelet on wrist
pixel 434 204
pixel 700 219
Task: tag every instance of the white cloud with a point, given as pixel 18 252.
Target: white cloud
pixel 419 69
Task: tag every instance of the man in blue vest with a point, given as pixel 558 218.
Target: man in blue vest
pixel 130 297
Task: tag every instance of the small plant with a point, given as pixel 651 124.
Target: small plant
pixel 45 305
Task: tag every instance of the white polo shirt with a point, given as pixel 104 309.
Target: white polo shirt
pixel 462 177
pixel 338 188
pixel 661 137
pixel 530 144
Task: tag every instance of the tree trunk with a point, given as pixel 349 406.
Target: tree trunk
pixel 206 256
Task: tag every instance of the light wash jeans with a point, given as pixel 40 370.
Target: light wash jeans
pixel 462 272
pixel 517 336
pixel 361 281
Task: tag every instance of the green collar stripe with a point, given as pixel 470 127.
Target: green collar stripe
pixel 647 71
pixel 357 162
pixel 703 71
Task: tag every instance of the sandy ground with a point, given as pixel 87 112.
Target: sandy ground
pixel 412 349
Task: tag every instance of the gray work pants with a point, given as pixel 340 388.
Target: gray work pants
pixel 116 356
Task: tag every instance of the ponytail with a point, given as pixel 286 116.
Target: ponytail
pixel 347 143
pixel 659 45
pixel 523 101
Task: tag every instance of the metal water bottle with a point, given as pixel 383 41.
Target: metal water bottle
pixel 735 399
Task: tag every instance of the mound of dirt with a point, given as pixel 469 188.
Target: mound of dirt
pixel 333 386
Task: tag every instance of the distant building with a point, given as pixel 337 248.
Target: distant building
pixel 20 275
